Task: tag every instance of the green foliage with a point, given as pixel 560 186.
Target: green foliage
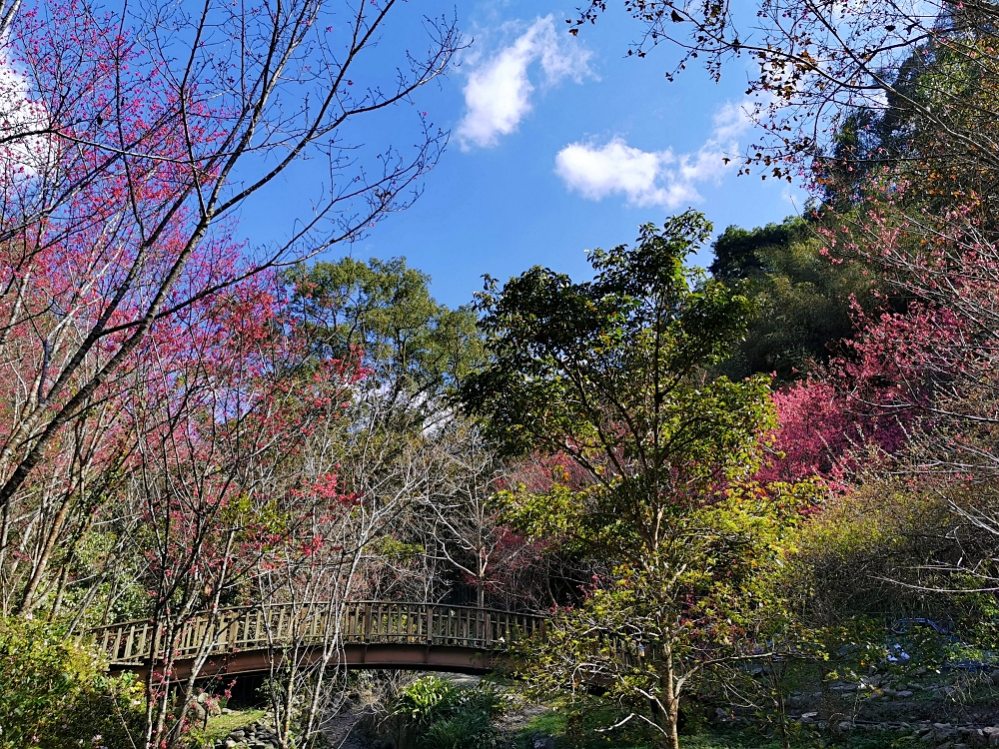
pixel 442 715
pixel 879 553
pixel 741 253
pixel 613 377
pixel 54 694
pixel 704 596
pixel 457 731
pixel 427 698
pixel 801 299
pixel 384 309
pixel 613 374
pixel 614 363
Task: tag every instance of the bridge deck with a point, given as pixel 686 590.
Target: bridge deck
pixel 372 634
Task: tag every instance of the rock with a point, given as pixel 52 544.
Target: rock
pixel 198 711
pixel 843 687
pixel 903 693
pixel 944 732
pixel 540 741
pixel 809 717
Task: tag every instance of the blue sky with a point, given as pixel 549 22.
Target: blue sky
pixel 560 144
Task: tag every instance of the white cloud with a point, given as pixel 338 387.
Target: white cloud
pixel 499 89
pixel 654 178
pixel 616 167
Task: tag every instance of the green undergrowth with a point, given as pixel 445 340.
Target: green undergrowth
pixel 581 736
pixel 752 740
pixel 220 726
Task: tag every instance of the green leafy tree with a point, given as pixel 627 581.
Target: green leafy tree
pixel 416 348
pixel 613 375
pixel 803 301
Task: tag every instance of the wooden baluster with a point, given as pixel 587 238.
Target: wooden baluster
pixel 279 633
pixel 102 640
pixel 199 633
pixel 187 636
pixel 350 623
pixel 115 649
pixel 129 653
pixel 143 646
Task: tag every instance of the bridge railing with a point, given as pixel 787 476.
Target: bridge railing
pixel 360 623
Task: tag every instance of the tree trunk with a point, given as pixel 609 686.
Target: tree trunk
pixel 671 708
pixel 674 723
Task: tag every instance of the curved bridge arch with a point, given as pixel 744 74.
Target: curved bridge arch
pixel 373 634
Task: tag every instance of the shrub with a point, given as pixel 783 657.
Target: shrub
pixel 441 715
pixel 54 693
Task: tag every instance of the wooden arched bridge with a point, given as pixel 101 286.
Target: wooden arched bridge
pixel 371 634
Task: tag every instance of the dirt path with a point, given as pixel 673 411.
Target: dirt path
pixel 341 734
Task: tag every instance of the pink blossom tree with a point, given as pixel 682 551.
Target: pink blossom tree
pixel 132 140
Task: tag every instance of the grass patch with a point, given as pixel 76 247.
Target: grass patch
pixel 551 724
pixel 220 726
